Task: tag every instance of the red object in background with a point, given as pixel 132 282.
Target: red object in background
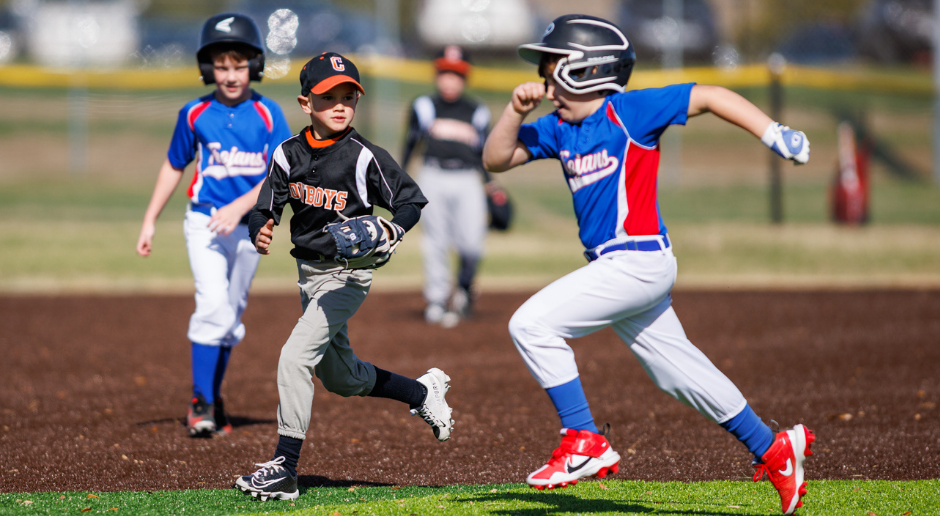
pixel 849 193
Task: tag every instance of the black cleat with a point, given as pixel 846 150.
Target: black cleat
pixel 271 482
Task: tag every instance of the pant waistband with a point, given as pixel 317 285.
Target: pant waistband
pixel 208 209
pixel 450 165
pixel 656 244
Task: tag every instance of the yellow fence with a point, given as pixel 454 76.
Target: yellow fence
pixel 494 79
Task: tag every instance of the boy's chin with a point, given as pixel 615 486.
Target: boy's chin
pixel 568 117
pixel 232 95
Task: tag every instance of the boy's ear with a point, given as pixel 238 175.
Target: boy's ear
pixel 304 104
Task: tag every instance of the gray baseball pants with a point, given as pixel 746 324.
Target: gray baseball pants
pixel 455 218
pixel 319 344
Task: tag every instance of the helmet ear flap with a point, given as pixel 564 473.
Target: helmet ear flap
pixel 208 72
pixel 256 68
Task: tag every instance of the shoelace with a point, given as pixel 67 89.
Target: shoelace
pixel 273 465
pixel 761 469
pixel 425 415
pixel 565 449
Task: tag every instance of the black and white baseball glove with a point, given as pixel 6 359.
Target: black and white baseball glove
pixel 365 242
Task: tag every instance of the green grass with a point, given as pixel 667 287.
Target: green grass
pixel 834 498
pixel 79 233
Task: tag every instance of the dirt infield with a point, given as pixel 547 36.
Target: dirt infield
pixel 94 390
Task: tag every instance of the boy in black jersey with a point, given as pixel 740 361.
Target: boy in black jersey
pixel 326 173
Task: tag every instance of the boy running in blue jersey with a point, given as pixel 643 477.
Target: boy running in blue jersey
pixel 230 133
pixel 608 143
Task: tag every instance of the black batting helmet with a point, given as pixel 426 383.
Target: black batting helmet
pixel 232 29
pixel 596 55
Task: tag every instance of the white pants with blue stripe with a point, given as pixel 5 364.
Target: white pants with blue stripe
pixel 629 291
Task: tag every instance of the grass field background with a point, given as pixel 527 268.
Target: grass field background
pixel 64 230
pixel 79 234
pixel 833 498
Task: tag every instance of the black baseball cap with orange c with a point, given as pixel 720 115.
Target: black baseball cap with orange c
pixel 327 70
pixel 452 58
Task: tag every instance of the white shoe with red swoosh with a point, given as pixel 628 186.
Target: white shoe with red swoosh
pixel 783 464
pixel 581 454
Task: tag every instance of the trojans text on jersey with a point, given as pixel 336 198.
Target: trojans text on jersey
pixel 584 170
pixel 234 162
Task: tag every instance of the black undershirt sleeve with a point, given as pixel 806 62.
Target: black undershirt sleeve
pixel 407 216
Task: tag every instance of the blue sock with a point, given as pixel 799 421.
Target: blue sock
pixel 572 406
pixel 220 366
pixel 751 431
pixel 205 363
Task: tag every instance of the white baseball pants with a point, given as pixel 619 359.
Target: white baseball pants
pixel 628 290
pixel 454 218
pixel 223 267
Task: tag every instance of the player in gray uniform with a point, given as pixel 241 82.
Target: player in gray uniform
pixel 454 128
pixel 328 174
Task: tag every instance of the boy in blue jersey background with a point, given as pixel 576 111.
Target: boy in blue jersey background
pixel 607 140
pixel 230 134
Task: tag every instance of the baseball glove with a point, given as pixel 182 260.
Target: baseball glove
pixel 499 206
pixel 365 242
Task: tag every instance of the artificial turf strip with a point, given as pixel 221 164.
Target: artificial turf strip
pixel 835 497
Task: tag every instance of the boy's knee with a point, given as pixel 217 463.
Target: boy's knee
pixel 348 388
pixel 291 363
pixel 355 380
pixel 520 325
pixel 215 310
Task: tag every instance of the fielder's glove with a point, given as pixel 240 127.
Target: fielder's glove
pixel 365 242
pixel 787 142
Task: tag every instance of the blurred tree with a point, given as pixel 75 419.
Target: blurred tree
pixel 184 8
pixel 766 23
pixel 407 16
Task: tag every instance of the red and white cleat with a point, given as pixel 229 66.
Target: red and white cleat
pixel 581 454
pixel 783 464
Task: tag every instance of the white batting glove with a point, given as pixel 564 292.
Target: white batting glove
pixel 787 142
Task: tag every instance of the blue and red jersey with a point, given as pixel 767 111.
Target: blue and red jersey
pixel 231 145
pixel 611 160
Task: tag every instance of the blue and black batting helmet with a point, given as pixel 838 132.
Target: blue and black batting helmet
pixel 594 53
pixel 231 29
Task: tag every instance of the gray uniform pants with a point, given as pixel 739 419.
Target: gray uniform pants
pixel 319 344
pixel 454 218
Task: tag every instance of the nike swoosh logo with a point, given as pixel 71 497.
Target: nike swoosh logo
pixel 789 471
pixel 264 483
pixel 572 469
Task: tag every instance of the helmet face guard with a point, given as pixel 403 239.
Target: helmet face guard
pixel 596 55
pixel 231 29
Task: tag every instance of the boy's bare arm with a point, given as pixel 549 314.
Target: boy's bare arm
pixel 734 108
pixel 167 181
pixel 226 218
pixel 728 106
pixel 503 150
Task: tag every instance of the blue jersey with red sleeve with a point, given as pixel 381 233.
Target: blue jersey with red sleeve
pixel 611 160
pixel 230 144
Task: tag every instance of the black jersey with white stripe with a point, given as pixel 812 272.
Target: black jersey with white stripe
pixel 454 132
pixel 321 179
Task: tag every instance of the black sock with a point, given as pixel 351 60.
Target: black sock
pixel 397 387
pixel 289 448
pixel 468 269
